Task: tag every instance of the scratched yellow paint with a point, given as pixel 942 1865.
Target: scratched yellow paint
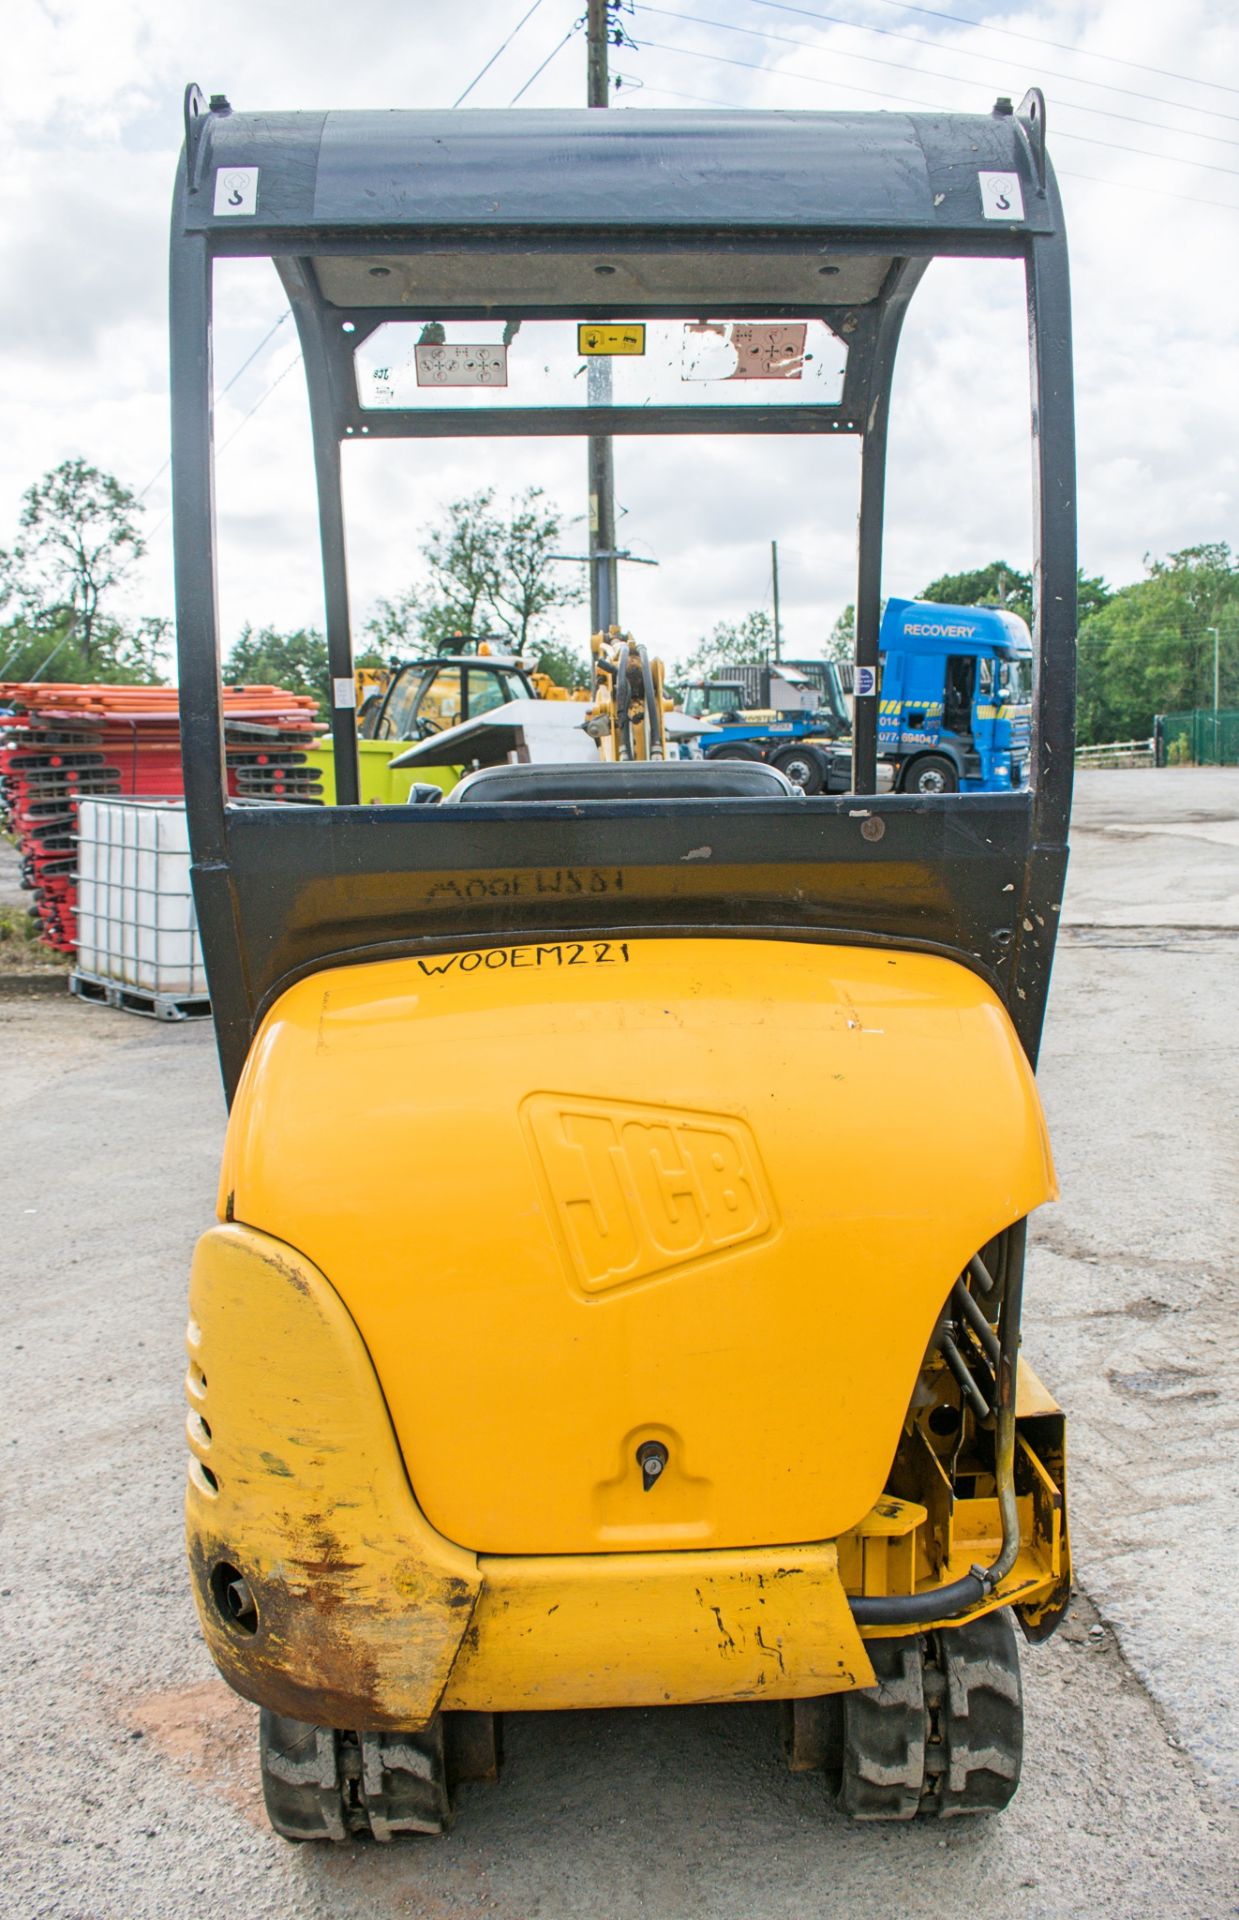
pixel 369 1618
pixel 614 1630
pixel 577 1195
pixel 361 1605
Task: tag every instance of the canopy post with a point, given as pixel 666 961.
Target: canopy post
pixel 193 544
pixel 1054 532
pixel 903 283
pixel 312 329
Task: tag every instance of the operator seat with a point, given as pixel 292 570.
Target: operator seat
pixel 628 780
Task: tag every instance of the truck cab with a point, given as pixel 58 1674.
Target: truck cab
pixel 712 699
pixel 428 696
pixel 955 707
pixel 775 712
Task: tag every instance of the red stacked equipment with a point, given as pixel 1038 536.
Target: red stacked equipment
pixel 62 742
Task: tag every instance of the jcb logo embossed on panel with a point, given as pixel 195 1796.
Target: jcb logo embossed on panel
pixel 636 1190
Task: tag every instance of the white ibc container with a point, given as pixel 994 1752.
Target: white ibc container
pixel 136 926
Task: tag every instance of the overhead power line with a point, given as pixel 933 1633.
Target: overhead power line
pixel 574 28
pixel 820 80
pixel 247 362
pixel 1063 173
pixel 242 423
pixel 1011 33
pixel 502 48
pixel 284 373
pixel 261 400
pixel 905 66
pixel 962 53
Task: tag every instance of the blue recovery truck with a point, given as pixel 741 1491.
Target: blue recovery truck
pixel 955 697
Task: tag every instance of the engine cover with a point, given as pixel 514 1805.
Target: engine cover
pixel 605 1203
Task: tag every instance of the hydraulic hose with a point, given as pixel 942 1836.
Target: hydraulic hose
pixel 958 1596
pixel 653 708
pixel 623 704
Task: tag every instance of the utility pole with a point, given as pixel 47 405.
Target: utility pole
pixel 603 572
pixel 1214 631
pixel 774 580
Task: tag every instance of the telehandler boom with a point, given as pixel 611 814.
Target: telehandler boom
pixel 535 1360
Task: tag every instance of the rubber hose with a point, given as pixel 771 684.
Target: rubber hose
pixel 942 1603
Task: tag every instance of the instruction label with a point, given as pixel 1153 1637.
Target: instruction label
pixel 236 190
pixel 461 366
pixel 344 693
pixel 866 683
pixel 609 341
pixel 744 350
pixel 1001 196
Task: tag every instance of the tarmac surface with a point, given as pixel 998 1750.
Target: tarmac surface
pixel 132 1780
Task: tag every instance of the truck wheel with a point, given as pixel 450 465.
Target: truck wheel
pixel 322 1784
pixel 739 752
pixel 932 773
pixel 942 1732
pixel 803 768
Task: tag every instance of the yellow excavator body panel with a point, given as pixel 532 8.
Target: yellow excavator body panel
pixel 365 1617
pixel 581 1196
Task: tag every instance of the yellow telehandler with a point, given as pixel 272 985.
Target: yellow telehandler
pixel 616 1291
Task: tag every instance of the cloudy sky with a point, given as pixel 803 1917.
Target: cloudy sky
pixel 1143 116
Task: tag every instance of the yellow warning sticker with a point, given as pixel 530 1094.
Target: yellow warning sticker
pixel 610 340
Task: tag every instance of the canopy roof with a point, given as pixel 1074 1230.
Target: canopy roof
pixel 613 174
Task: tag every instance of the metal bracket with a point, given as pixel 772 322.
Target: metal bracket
pixel 197 117
pixel 1031 115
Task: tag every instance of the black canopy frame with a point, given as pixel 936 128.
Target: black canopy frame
pixel 281 891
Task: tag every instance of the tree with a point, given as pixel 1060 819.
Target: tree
pixel 841 644
pixel 527 583
pixel 732 643
pixel 78 539
pixel 296 661
pixel 563 664
pixel 405 627
pixel 997 585
pixel 463 559
pixel 1001 585
pixel 124 655
pixel 490 573
pixel 1149 648
pixel 1092 594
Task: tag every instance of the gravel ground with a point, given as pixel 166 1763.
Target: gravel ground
pixel 132 1777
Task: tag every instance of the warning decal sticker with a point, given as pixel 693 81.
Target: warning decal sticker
pixel 1001 197
pixel 236 190
pixel 610 340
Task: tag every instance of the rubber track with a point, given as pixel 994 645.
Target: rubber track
pixel 942 1732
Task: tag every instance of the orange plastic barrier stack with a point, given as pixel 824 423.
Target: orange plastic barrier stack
pixel 59 743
